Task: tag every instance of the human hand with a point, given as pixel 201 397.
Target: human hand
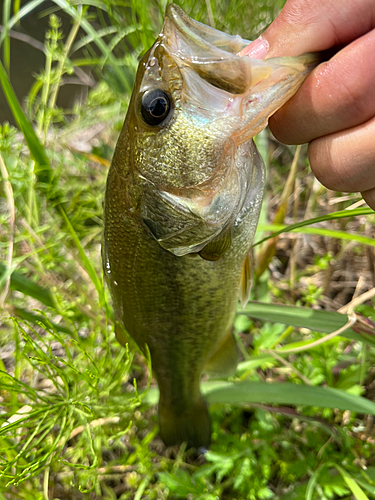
pixel 334 110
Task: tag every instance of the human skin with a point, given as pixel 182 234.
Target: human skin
pixel 334 110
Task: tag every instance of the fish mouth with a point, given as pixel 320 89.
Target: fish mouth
pixel 200 33
pixel 212 54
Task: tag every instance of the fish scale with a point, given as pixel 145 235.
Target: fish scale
pixel 182 202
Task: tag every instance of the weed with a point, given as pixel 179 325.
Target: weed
pixel 77 410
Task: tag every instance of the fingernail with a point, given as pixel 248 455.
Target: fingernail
pixel 257 49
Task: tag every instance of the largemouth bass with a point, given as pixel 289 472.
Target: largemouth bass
pixel 182 202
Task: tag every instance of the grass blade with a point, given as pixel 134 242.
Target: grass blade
pixel 285 393
pixel 365 485
pixel 6 47
pixel 43 170
pixel 85 261
pixel 320 231
pixel 341 214
pixel 354 488
pixel 311 484
pixel 275 393
pixel 352 484
pixel 99 42
pixel 22 284
pixel 20 13
pixel 37 319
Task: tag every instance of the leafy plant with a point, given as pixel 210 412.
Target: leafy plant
pixel 77 412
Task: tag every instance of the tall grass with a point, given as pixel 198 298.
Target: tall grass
pixel 77 411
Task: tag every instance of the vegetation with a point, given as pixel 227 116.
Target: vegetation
pixel 77 411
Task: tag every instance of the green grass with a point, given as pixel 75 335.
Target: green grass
pixel 77 413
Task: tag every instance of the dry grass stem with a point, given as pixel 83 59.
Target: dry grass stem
pixel 352 320
pixel 348 308
pixel 93 424
pixel 290 366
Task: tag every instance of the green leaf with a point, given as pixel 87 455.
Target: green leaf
pixel 263 360
pixel 303 317
pixel 180 483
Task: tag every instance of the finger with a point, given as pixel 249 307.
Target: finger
pixel 345 161
pixel 369 197
pixel 339 94
pixel 309 26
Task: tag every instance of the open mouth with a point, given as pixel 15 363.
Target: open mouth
pixel 211 53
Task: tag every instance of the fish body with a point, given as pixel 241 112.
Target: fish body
pixel 182 202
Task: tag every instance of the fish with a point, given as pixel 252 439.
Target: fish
pixel 182 201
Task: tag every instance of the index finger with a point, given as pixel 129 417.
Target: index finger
pixel 316 25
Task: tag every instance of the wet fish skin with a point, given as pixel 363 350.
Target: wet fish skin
pixel 181 207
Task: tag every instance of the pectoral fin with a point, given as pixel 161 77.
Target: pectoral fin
pixel 223 362
pixel 218 246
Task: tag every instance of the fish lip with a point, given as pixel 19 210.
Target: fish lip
pixel 212 54
pixel 201 34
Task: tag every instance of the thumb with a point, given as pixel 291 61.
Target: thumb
pixel 313 26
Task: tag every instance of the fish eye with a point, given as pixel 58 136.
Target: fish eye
pixel 155 106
